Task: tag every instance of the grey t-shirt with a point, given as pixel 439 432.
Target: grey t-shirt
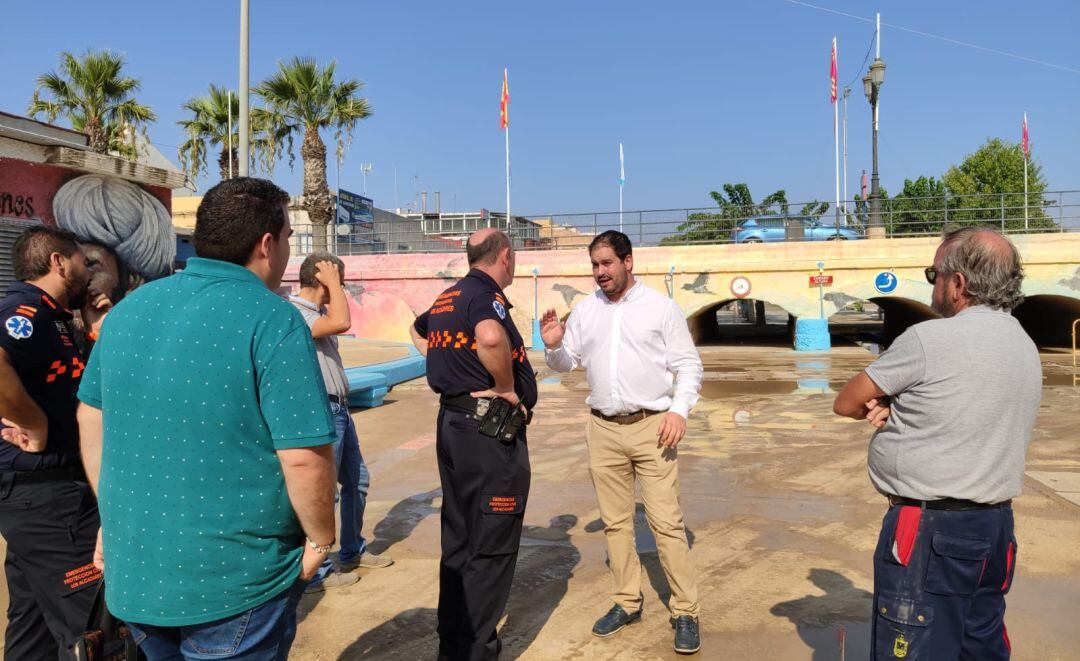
pixel 326 350
pixel 965 392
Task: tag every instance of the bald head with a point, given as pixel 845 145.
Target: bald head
pixel 989 263
pixel 485 246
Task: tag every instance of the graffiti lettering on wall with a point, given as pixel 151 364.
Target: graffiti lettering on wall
pixel 128 220
pixel 15 205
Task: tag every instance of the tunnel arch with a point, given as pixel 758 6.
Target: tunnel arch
pixel 1048 318
pixel 704 328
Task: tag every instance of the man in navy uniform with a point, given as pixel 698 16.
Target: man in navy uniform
pixel 475 354
pixel 48 515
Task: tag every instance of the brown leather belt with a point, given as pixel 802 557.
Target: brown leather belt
pixel 953 504
pixel 625 418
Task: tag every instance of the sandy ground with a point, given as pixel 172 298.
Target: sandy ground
pixel 781 514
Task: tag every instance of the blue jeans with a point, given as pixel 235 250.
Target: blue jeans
pixel 354 480
pixel 264 633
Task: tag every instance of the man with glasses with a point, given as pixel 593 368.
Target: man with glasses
pixel 954 401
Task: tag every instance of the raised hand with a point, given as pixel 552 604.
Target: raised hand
pixel 327 273
pixel 551 329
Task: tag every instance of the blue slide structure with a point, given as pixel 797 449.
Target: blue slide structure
pixel 369 384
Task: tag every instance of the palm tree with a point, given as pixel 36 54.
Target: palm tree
pixel 91 92
pixel 207 128
pixel 302 97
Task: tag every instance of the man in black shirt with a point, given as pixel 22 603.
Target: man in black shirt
pixel 474 355
pixel 48 515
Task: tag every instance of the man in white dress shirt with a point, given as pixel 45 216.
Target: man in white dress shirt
pixel 644 375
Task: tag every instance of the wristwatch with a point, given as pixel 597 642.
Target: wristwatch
pixel 321 549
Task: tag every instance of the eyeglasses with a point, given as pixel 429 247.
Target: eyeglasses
pixel 932 274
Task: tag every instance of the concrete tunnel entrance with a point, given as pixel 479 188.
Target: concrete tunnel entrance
pixel 878 321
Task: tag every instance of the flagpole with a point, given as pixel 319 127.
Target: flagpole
pixel 620 207
pixel 1025 150
pixel 622 181
pixel 230 136
pixel 506 74
pixel 836 137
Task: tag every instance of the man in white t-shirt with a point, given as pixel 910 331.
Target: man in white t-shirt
pixel 644 375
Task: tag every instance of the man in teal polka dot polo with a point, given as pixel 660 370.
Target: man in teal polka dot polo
pixel 205 432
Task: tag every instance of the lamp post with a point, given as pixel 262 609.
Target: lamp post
pixel 872 83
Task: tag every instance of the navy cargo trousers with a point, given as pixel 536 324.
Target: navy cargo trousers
pixel 940 580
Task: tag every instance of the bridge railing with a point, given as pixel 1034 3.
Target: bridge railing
pixel 1049 211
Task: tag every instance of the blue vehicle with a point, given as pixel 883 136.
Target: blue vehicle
pixel 770 229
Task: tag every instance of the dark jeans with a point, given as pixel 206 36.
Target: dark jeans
pixel 50 529
pixel 264 633
pixel 948 602
pixel 485 487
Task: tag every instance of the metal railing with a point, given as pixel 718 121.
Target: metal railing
pixel 1051 211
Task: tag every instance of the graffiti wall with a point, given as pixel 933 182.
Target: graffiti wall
pixel 387 291
pixel 130 220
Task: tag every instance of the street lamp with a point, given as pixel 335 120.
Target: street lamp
pixel 872 83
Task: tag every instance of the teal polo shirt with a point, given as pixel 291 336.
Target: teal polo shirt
pixel 201 377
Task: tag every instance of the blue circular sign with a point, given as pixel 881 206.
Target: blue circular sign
pixel 886 282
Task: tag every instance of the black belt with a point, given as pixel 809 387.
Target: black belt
pixel 467 405
pixel 65 474
pixel 951 504
pixel 625 418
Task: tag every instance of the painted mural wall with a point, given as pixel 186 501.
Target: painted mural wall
pixel 130 220
pixel 388 291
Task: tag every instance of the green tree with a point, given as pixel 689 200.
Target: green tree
pixel 987 187
pixel 862 207
pixel 92 93
pixel 918 208
pixel 208 128
pixel 302 97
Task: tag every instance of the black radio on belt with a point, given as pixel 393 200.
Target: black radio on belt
pixel 498 418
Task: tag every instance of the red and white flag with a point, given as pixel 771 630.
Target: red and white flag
pixel 504 103
pixel 1024 144
pixel 832 72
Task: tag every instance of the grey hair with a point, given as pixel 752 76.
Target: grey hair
pixel 991 264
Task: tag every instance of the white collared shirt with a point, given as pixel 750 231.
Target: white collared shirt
pixel 637 353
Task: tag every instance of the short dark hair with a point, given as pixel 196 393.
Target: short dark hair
pixel 487 251
pixel 307 269
pixel 615 240
pixel 31 252
pixel 233 217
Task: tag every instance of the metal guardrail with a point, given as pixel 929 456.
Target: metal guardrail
pixel 1051 211
pixel 1075 352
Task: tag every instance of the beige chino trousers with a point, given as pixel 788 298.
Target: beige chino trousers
pixel 617 455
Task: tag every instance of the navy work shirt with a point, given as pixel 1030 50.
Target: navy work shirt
pixel 453 366
pixel 38 342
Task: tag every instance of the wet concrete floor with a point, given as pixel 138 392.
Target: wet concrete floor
pixel 781 515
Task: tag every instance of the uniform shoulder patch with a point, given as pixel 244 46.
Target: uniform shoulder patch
pixel 19 327
pixel 500 309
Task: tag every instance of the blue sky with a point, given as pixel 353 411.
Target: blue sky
pixel 700 93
